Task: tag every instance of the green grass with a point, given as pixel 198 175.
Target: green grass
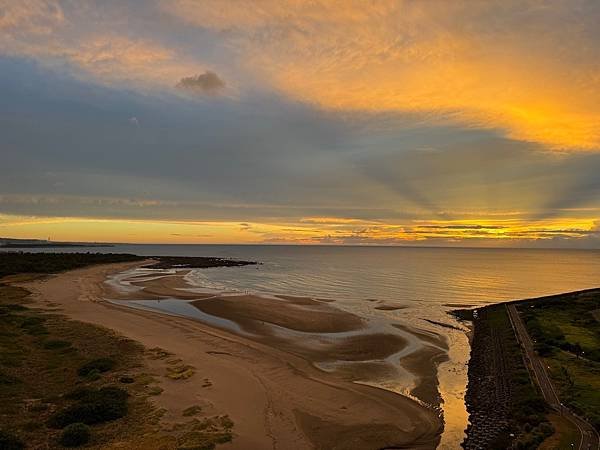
pixel 567 336
pixel 99 365
pixel 578 381
pixel 56 372
pixel 40 357
pixel 565 434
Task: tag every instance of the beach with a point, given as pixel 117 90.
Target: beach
pixel 291 372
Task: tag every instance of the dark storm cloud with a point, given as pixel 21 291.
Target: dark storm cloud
pixel 205 83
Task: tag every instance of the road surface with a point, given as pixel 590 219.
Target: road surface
pixel 588 437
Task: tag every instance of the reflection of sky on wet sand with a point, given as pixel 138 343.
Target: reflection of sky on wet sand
pixel 425 283
pixel 389 372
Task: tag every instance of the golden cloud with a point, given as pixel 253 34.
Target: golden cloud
pixel 496 64
pixel 40 29
pixel 30 16
pixel 486 231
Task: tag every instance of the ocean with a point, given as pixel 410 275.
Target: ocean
pixel 404 275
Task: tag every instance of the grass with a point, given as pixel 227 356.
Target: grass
pixel 9 441
pixel 60 378
pixel 192 411
pixel 567 335
pixel 40 357
pixel 565 434
pixel 99 365
pixel 578 382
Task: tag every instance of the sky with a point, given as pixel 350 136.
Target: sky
pixel 430 122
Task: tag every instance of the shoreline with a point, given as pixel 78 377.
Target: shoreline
pixel 302 406
pixel 514 394
pixel 325 335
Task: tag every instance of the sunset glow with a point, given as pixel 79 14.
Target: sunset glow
pixel 322 122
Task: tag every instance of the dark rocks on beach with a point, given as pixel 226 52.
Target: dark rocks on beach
pixel 488 394
pixel 195 262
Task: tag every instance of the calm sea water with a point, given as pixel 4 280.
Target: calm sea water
pixel 394 274
pixel 425 282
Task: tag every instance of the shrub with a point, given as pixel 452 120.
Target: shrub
pixel 15 307
pixel 546 429
pixel 93 406
pixel 544 349
pixel 32 321
pixel 6 379
pixel 75 435
pixel 56 344
pixel 34 326
pixel 93 375
pixel 79 393
pixel 10 442
pixel 99 365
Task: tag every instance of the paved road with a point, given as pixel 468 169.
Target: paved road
pixel 588 439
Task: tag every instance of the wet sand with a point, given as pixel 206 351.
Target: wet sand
pixel 298 314
pixel 263 378
pixel 166 286
pixel 389 307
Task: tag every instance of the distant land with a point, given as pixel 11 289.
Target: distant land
pixel 43 243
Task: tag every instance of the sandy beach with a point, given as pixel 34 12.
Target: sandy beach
pixel 266 372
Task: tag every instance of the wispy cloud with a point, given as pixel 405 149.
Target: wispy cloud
pixel 480 64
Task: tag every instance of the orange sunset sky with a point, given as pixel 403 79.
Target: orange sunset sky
pixel 470 123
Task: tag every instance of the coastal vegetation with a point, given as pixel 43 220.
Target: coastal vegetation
pixel 505 408
pixel 65 383
pixel 45 396
pixel 12 263
pixel 566 331
pixel 20 262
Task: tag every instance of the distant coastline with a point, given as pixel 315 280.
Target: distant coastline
pixel 53 245
pixel 42 243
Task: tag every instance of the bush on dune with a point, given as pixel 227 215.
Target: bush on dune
pixel 56 344
pixel 93 406
pixel 75 435
pixel 10 442
pixel 98 365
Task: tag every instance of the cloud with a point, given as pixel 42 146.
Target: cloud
pixel 205 83
pixel 464 227
pixel 107 49
pixel 491 65
pixel 38 17
pixel 375 122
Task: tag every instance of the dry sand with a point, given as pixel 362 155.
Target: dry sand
pixel 276 397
